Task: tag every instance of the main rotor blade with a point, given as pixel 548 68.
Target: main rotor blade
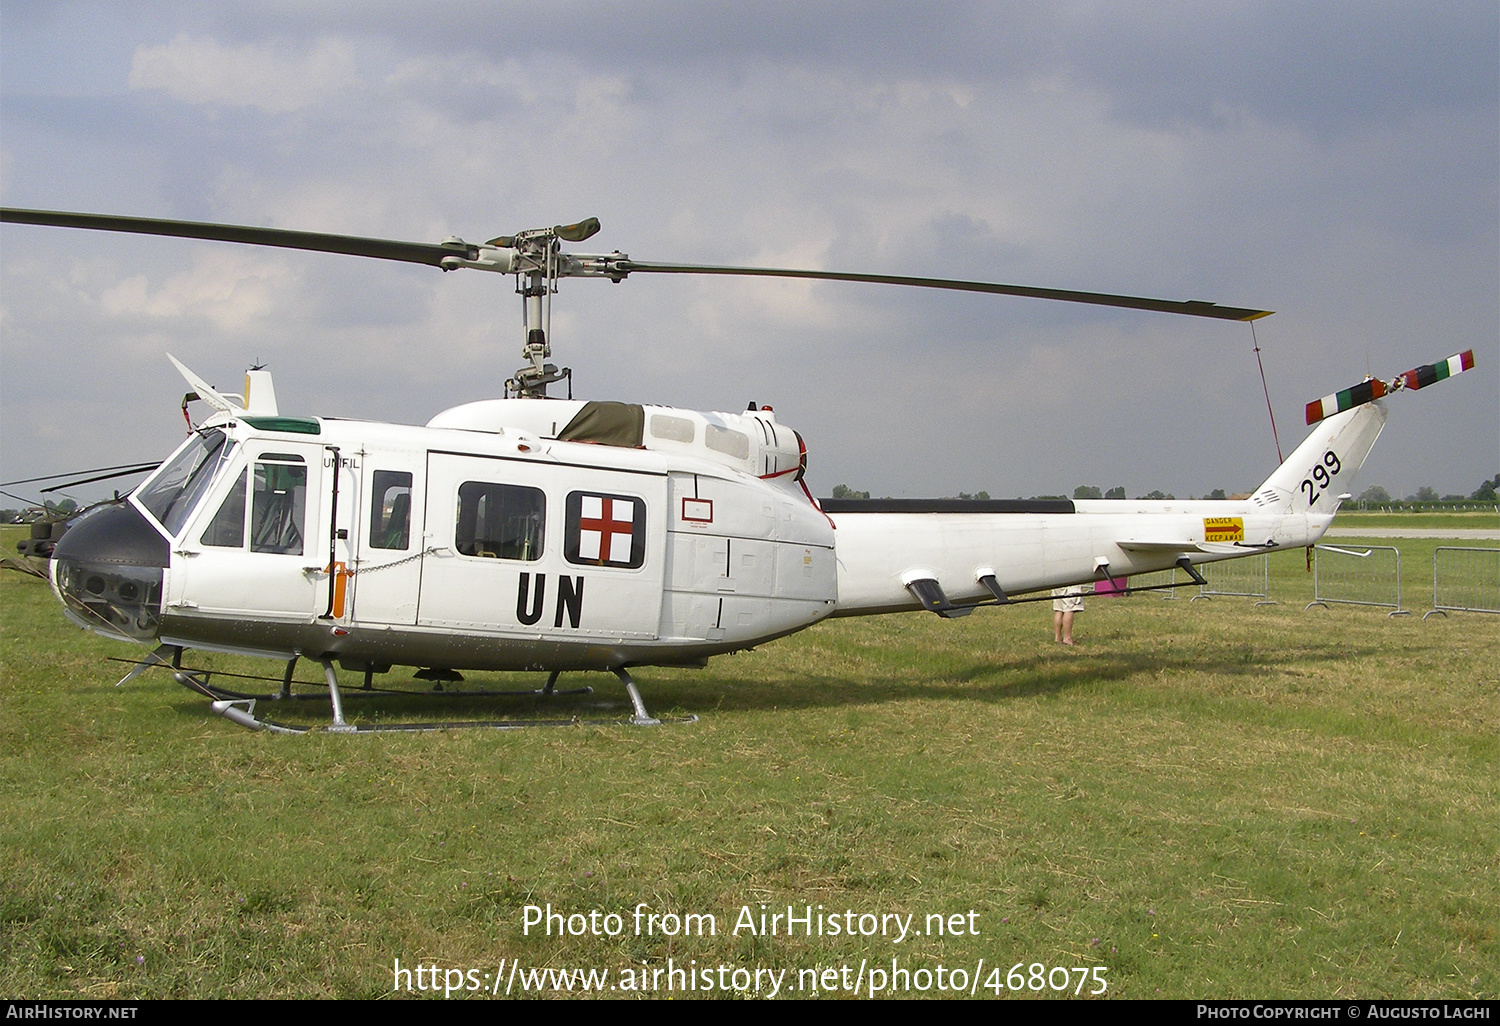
pixel 317 242
pixel 122 468
pixel 100 477
pixel 1192 308
pixel 434 255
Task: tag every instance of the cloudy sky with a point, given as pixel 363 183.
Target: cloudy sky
pixel 1336 163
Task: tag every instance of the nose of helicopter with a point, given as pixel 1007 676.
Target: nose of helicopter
pixel 107 570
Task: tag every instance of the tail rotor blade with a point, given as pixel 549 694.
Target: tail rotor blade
pixel 1429 374
pixel 1373 388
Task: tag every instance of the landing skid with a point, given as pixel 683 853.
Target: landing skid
pixel 157 659
pixel 240 708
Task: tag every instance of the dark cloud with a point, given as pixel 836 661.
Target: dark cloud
pixel 1326 68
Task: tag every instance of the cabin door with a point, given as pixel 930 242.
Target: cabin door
pixel 542 552
pixel 256 548
pixel 386 538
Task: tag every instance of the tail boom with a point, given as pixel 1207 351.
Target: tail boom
pixel 888 551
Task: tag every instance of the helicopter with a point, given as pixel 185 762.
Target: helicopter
pixel 537 533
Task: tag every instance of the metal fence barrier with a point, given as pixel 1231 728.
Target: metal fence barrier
pixel 1369 576
pixel 1249 577
pixel 1465 580
pixel 1161 583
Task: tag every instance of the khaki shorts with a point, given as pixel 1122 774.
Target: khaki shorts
pixel 1067 600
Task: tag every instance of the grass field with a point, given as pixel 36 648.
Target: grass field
pixel 1210 799
pixel 1484 521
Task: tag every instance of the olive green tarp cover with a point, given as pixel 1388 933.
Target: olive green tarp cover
pixel 606 423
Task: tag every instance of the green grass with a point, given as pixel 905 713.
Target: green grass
pixel 1479 520
pixel 1211 799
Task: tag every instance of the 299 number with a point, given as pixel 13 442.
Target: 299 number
pixel 1321 476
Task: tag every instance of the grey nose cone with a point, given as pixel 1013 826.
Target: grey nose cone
pixel 108 569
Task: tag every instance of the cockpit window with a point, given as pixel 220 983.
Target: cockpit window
pixel 279 504
pixel 227 529
pixel 172 492
pixel 278 507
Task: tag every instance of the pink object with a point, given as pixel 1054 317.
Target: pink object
pixel 1108 587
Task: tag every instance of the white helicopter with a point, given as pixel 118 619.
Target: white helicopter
pixel 529 533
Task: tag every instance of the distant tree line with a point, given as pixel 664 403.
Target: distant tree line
pixel 1118 492
pixel 1487 492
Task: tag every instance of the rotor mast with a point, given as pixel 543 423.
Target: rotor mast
pixel 536 320
pixel 538 262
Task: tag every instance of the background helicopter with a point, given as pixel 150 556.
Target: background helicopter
pixel 703 534
pixel 47 518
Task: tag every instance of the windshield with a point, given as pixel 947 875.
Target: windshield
pixel 171 493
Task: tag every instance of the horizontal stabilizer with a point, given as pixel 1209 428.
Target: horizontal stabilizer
pixel 1373 388
pixel 1182 545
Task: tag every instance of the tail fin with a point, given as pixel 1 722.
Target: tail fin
pixel 1323 467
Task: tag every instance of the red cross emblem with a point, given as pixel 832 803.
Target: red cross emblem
pixel 605 529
